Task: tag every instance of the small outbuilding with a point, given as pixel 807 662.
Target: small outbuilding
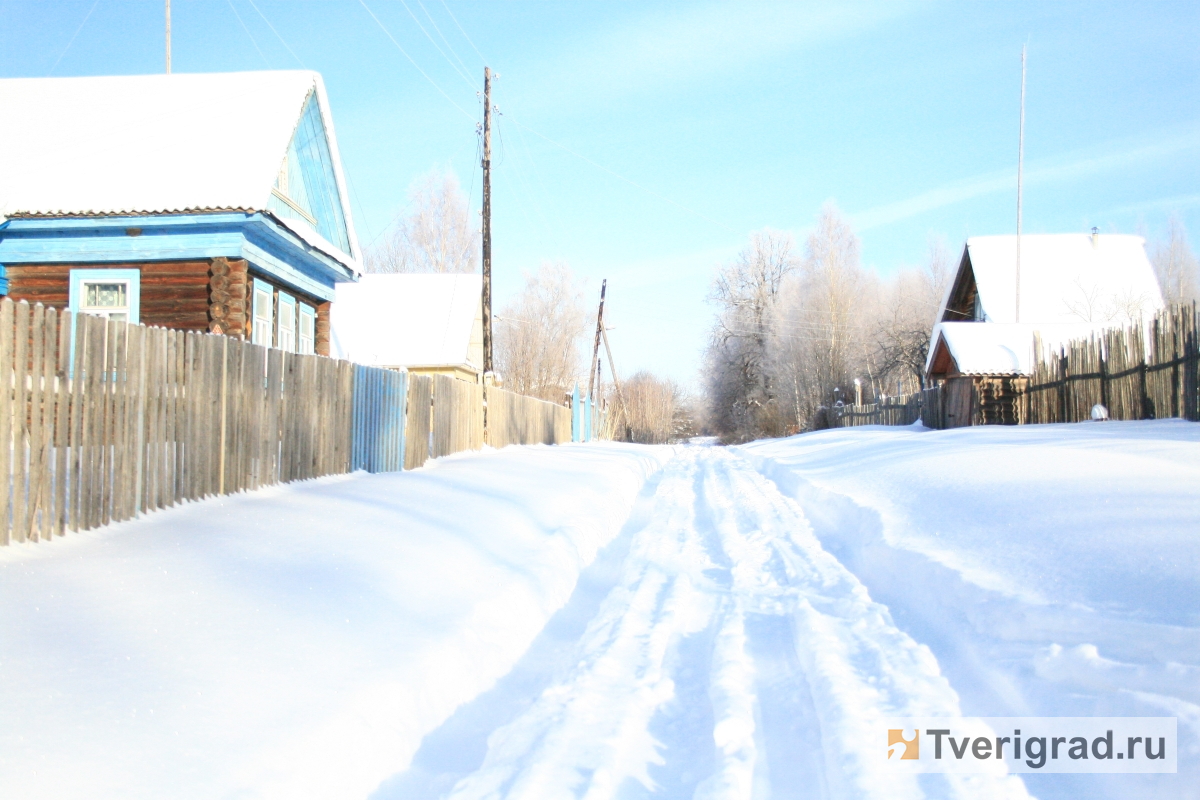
pixel 425 323
pixel 1071 286
pixel 203 202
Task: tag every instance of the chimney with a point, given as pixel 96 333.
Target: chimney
pixel 1095 236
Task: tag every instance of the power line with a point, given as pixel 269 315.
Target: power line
pixel 253 41
pixel 464 33
pixel 277 36
pixel 461 74
pixel 411 61
pixel 442 36
pixel 72 41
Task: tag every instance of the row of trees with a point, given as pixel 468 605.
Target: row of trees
pixel 796 327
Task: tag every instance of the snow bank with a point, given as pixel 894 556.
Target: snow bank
pixel 296 642
pixel 1053 570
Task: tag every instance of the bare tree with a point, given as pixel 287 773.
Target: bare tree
pixel 538 335
pixel 741 390
pixel 657 410
pixel 823 323
pixel 436 234
pixel 907 312
pixel 1176 265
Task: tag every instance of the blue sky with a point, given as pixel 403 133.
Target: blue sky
pixel 642 142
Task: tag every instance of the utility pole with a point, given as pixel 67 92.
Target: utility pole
pixel 487 222
pixel 168 37
pixel 1020 168
pixel 596 346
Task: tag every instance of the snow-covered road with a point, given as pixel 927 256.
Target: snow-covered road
pixel 733 658
pixel 607 621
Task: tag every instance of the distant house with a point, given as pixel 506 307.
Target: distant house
pixel 203 202
pixel 1072 285
pixel 425 323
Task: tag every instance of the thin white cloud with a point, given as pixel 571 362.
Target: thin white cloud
pixel 1176 203
pixel 1069 167
pixel 659 49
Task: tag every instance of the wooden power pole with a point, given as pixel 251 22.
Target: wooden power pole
pixel 596 346
pixel 487 222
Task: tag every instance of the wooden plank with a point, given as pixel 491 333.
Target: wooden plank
pixel 37 324
pixel 123 483
pixel 20 422
pixel 7 379
pixel 62 420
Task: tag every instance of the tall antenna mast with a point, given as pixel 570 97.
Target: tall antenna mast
pixel 487 221
pixel 168 37
pixel 1020 168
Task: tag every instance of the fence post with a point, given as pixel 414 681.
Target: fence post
pixel 224 413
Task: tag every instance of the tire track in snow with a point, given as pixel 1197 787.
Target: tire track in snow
pixel 726 556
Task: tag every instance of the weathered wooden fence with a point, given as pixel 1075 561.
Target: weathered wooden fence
pixel 1137 372
pixel 103 420
pixel 516 419
pixel 903 409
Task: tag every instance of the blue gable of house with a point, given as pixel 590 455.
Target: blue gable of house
pixel 306 188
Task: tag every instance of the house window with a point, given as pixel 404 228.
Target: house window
pixel 264 313
pixel 308 329
pixel 111 293
pixel 285 338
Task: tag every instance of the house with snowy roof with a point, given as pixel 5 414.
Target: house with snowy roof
pixel 1071 286
pixel 203 202
pixel 425 323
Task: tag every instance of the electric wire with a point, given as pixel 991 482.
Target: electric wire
pixel 253 41
pixel 461 74
pixel 442 36
pixel 277 36
pixel 72 40
pixel 413 62
pixel 464 33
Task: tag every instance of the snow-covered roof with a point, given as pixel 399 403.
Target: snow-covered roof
pixel 145 144
pixel 1001 348
pixel 423 320
pixel 1065 278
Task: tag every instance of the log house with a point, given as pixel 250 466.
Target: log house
pixel 122 203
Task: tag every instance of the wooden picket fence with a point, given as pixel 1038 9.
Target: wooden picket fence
pixel 516 419
pixel 106 420
pixel 903 409
pixel 447 416
pixel 1136 372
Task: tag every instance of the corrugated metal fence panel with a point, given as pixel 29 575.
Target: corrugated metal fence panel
pixel 378 419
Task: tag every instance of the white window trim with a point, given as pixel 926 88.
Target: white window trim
pixel 257 334
pixel 305 311
pixel 285 299
pixel 133 293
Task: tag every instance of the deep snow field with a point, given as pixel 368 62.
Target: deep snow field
pixel 604 620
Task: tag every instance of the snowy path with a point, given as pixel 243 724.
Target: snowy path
pixel 732 658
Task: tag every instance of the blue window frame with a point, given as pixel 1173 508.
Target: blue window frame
pixel 112 293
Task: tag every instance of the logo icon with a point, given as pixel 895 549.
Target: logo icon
pixel 912 747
